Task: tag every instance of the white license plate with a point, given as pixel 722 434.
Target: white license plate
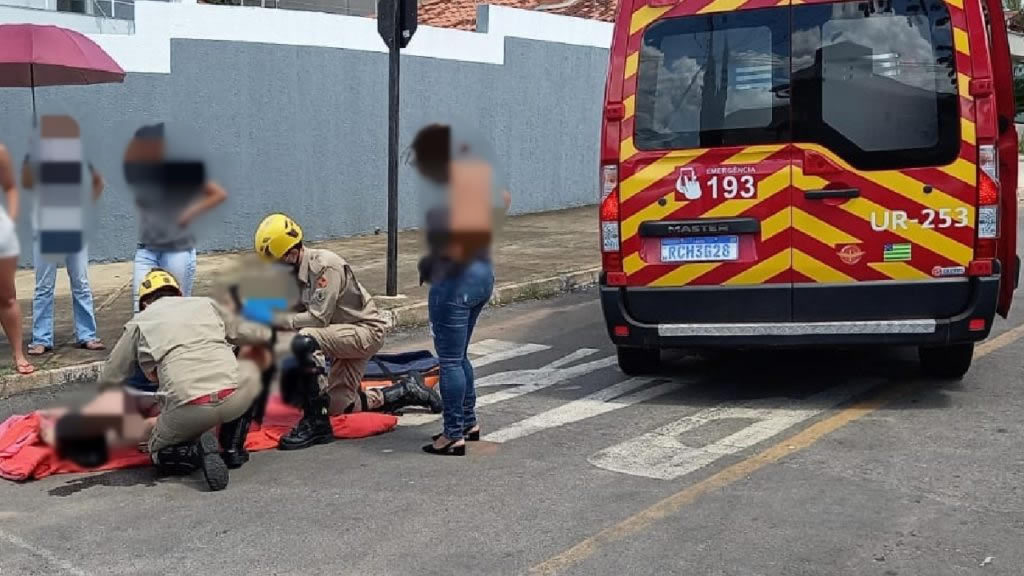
pixel 700 249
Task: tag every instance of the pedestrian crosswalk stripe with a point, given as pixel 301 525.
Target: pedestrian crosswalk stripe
pixel 601 402
pixel 488 352
pixel 665 455
pixel 522 382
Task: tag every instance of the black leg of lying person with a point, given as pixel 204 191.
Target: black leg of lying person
pixel 232 434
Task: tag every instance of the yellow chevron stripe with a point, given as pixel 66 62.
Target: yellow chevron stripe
pixel 899 271
pixel 935 241
pixel 767 188
pixel 962 170
pixel 632 263
pixel 967 131
pixel 961 41
pixel 644 16
pixel 630 105
pixel 722 6
pixel 655 171
pixel 762 271
pixel 685 274
pixel 963 84
pixel 894 180
pixel 816 270
pixel 775 224
pixel 627 150
pixel 632 63
pixel 820 230
pixel 958 3
pixel 630 226
pixel 753 155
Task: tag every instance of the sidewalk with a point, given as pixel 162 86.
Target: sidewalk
pixel 538 254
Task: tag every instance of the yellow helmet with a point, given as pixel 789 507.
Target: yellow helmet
pixel 156 279
pixel 276 235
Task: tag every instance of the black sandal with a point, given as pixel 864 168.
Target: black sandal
pixel 449 449
pixel 469 436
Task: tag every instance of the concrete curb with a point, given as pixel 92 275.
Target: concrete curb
pixel 398 318
pixel 416 315
pixel 78 374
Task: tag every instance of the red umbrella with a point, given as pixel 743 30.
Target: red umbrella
pixel 32 55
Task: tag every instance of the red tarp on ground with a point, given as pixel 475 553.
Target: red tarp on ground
pixel 23 456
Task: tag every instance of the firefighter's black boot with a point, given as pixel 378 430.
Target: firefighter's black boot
pixel 411 390
pixel 203 454
pixel 315 426
pixel 232 440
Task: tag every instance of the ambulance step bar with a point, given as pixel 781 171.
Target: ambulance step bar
pixel 800 328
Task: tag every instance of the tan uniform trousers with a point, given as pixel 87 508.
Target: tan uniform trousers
pixel 349 347
pixel 186 423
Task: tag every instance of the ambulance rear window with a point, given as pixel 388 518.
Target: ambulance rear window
pixel 874 81
pixel 876 84
pixel 714 80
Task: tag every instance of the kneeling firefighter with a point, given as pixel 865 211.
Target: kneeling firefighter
pixel 185 346
pixel 338 332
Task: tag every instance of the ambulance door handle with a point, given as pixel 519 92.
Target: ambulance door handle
pixel 837 193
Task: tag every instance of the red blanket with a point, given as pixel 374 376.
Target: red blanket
pixel 23 456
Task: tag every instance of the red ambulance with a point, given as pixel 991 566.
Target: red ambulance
pixel 808 172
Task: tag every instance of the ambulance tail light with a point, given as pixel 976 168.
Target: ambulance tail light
pixel 611 257
pixel 988 202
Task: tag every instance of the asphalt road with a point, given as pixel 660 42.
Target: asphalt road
pixel 772 463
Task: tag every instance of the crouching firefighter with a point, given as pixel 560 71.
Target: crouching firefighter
pixel 185 346
pixel 338 332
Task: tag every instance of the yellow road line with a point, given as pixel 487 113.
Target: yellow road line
pixel 668 506
pixel 1001 341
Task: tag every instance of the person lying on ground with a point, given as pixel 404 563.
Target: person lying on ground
pixel 184 345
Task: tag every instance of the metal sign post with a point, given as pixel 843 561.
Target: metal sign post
pixel 396 23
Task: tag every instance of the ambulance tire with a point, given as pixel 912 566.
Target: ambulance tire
pixel 638 361
pixel 947 362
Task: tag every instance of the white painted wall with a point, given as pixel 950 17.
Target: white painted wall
pixel 156 23
pixel 89 25
pixel 504 21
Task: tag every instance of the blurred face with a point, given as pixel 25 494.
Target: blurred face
pixel 293 257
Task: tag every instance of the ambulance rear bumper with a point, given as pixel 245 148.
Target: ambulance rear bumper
pixel 626 331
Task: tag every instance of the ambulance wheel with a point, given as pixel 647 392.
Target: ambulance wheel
pixel 638 361
pixel 947 362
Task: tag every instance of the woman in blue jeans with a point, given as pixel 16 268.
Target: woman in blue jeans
pixel 461 207
pixel 168 206
pixel 77 265
pixel 454 305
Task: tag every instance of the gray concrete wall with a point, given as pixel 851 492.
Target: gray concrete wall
pixel 304 129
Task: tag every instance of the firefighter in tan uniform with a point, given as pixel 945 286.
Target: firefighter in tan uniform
pixel 340 326
pixel 185 345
